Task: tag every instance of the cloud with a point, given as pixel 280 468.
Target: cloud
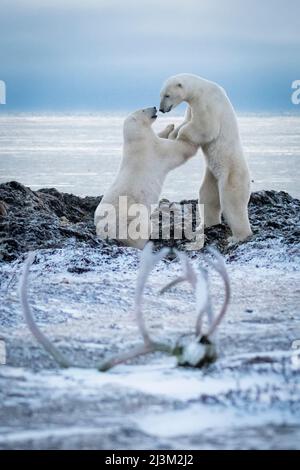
pixel 93 43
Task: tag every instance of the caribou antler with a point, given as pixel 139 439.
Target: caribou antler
pixel 188 275
pixel 201 351
pixel 148 261
pixel 197 353
pixel 219 266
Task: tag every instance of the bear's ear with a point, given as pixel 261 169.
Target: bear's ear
pixel 179 85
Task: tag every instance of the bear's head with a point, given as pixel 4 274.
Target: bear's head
pixel 172 94
pixel 139 121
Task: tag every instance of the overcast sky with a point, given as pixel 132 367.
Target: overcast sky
pixel 114 54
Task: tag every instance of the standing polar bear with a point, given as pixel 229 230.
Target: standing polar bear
pixel 210 123
pixel 147 159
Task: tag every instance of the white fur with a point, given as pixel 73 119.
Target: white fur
pixel 147 159
pixel 210 123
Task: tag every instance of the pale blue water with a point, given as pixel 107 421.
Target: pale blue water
pixel 81 153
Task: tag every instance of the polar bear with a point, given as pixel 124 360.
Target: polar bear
pixel 147 159
pixel 210 123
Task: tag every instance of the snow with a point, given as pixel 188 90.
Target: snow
pixel 251 395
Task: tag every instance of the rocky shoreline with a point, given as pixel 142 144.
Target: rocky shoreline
pixel 47 218
pixel 81 293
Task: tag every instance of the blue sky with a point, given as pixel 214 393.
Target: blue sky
pixel 113 54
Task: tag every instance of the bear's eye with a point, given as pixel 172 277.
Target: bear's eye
pixel 167 96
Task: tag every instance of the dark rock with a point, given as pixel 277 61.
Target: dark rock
pixel 273 216
pixel 3 209
pixel 44 219
pixel 50 219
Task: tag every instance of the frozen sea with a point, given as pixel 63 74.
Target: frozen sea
pixel 81 153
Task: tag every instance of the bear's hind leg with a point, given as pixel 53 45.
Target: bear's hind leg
pixel 209 197
pixel 234 203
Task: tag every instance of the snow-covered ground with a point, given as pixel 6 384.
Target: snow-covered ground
pixel 83 300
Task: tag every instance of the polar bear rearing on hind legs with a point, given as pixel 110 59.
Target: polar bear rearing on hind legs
pixel 210 123
pixel 147 159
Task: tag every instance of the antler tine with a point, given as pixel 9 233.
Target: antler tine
pixel 40 337
pixel 220 267
pixel 188 269
pixel 126 356
pixel 148 261
pixel 199 283
pixel 203 303
pixel 136 352
pixel 219 264
pixel 171 284
pixel 188 273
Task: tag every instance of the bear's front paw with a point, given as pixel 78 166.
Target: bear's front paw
pixel 166 132
pixel 170 128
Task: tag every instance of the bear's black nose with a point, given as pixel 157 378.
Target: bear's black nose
pixel 161 110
